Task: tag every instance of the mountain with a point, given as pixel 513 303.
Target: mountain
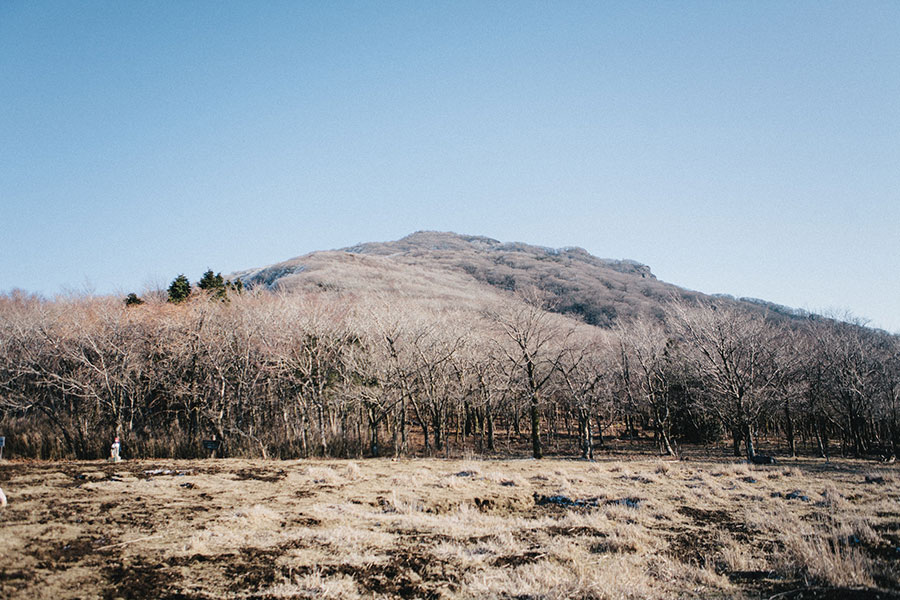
pixel 432 266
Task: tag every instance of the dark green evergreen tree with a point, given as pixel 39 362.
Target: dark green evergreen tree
pixel 132 299
pixel 214 284
pixel 180 289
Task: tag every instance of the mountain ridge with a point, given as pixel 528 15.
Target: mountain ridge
pixel 425 265
pixel 445 240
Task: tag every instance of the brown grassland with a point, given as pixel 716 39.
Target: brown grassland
pixel 430 528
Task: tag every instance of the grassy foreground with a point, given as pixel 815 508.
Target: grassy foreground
pixel 449 529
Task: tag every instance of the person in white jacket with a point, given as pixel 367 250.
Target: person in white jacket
pixel 114 451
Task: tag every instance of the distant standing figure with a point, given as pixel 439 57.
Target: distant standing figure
pixel 114 451
pixel 2 499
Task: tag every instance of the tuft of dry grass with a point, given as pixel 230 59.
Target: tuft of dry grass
pixel 316 585
pixel 828 559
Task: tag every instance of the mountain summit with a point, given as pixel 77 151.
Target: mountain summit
pixel 428 242
pixel 427 265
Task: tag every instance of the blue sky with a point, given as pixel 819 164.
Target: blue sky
pixel 750 148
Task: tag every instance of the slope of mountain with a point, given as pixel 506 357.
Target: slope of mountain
pixel 466 269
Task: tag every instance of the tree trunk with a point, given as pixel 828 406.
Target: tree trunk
pixel 736 439
pixel 587 443
pixel 666 442
pixel 590 436
pixel 789 428
pixel 600 441
pixel 536 450
pixel 821 440
pixel 373 425
pixel 490 429
pixel 404 441
pixel 373 447
pixel 322 432
pixel 425 435
pixel 437 426
pixel 748 440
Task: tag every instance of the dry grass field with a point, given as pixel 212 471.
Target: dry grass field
pixel 525 529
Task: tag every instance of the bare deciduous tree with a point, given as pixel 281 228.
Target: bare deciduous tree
pixel 653 371
pixel 736 355
pixel 536 342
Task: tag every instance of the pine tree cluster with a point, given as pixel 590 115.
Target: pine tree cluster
pixel 213 284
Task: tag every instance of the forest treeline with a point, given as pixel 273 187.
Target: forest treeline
pixel 321 374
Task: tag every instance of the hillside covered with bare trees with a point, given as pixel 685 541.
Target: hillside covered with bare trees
pixel 597 291
pixel 439 344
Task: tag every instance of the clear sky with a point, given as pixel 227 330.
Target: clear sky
pixel 750 148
